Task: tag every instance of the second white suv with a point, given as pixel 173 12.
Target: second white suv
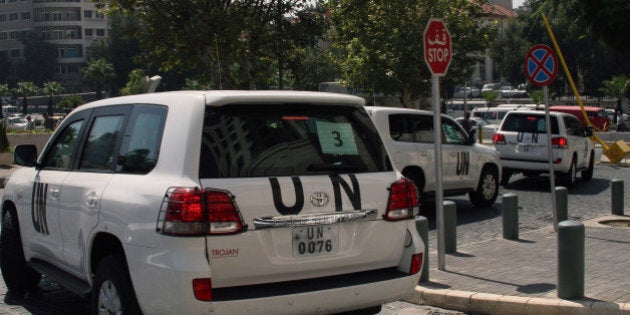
pixel 522 143
pixel 468 167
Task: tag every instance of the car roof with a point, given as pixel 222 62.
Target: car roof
pixel 398 110
pixel 575 107
pixel 223 97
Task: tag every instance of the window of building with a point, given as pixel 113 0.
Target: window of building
pixel 15 53
pixel 89 32
pixel 14 35
pixel 100 32
pixel 100 15
pixel 13 16
pixel 3 36
pixel 3 17
pixel 73 68
pixel 25 15
pixel 12 1
pixel 87 14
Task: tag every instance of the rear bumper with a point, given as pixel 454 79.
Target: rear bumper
pixel 516 165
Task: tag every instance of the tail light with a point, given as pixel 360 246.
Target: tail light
pixel 403 199
pixel 498 138
pixel 416 263
pixel 559 142
pixel 203 289
pixel 193 211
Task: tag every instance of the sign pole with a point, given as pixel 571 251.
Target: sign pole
pixel 439 196
pixel 437 55
pixel 552 176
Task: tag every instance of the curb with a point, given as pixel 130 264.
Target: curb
pixel 484 303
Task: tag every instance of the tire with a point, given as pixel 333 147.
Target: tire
pixel 588 173
pixel 505 177
pixel 531 173
pixel 18 276
pixel 568 178
pixel 113 292
pixel 487 189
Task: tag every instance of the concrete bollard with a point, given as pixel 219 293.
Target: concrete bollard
pixel 510 216
pixel 616 190
pixel 562 203
pixel 450 227
pixel 422 225
pixel 571 260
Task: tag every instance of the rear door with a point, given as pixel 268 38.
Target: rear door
pixel 311 183
pixel 577 140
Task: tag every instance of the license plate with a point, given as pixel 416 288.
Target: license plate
pixel 316 240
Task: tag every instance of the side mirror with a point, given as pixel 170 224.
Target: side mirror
pixel 25 155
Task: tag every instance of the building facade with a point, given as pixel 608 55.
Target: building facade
pixel 72 26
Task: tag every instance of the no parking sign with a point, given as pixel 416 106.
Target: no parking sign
pixel 541 65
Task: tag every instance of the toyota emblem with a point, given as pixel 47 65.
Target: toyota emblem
pixel 319 199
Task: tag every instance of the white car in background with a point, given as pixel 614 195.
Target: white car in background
pixel 468 167
pixel 522 143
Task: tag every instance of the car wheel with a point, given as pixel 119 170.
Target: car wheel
pixel 588 173
pixel 487 189
pixel 112 292
pixel 568 178
pixel 18 276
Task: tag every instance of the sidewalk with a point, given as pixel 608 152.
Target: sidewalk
pixel 520 276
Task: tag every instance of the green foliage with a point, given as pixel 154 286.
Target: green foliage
pixel 604 18
pixel 5 146
pixel 26 89
pixel 70 102
pixel 537 96
pixel 234 44
pixel 617 87
pixel 52 88
pixel 379 43
pixel 5 64
pixel 4 91
pixel 135 83
pixel 490 96
pixel 100 72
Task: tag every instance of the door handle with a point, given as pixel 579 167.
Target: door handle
pixel 92 200
pixel 53 193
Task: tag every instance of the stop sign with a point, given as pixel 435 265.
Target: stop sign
pixel 437 47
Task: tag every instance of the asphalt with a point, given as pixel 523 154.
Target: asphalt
pixel 501 276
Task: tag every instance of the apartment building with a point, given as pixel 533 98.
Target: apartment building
pixel 70 25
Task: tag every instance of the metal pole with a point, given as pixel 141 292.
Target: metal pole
pixel 437 142
pixel 616 190
pixel 422 225
pixel 552 176
pixel 571 260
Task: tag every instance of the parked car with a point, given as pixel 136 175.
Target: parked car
pixel 16 123
pixel 468 92
pixel 226 202
pixel 490 87
pixel 487 129
pixel 596 115
pixel 522 144
pixel 508 91
pixel 468 167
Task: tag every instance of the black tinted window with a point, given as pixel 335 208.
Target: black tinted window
pixel 141 144
pixel 285 140
pixel 99 150
pixel 61 152
pixel 523 122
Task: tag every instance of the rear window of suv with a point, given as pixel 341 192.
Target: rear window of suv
pixel 289 139
pixel 523 122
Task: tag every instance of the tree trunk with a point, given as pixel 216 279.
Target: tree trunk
pixel 24 106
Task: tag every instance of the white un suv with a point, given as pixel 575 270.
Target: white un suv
pixel 214 202
pixel 468 167
pixel 522 142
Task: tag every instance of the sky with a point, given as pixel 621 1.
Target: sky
pixel 517 3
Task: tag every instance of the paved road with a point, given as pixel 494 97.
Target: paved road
pixel 586 200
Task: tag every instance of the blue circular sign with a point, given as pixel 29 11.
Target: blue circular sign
pixel 541 65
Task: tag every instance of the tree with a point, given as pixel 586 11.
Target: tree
pixel 100 72
pixel 52 88
pixel 135 83
pixel 4 91
pixel 603 19
pixel 379 43
pixel 230 44
pixel 70 102
pixel 26 89
pixel 617 87
pixel 5 65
